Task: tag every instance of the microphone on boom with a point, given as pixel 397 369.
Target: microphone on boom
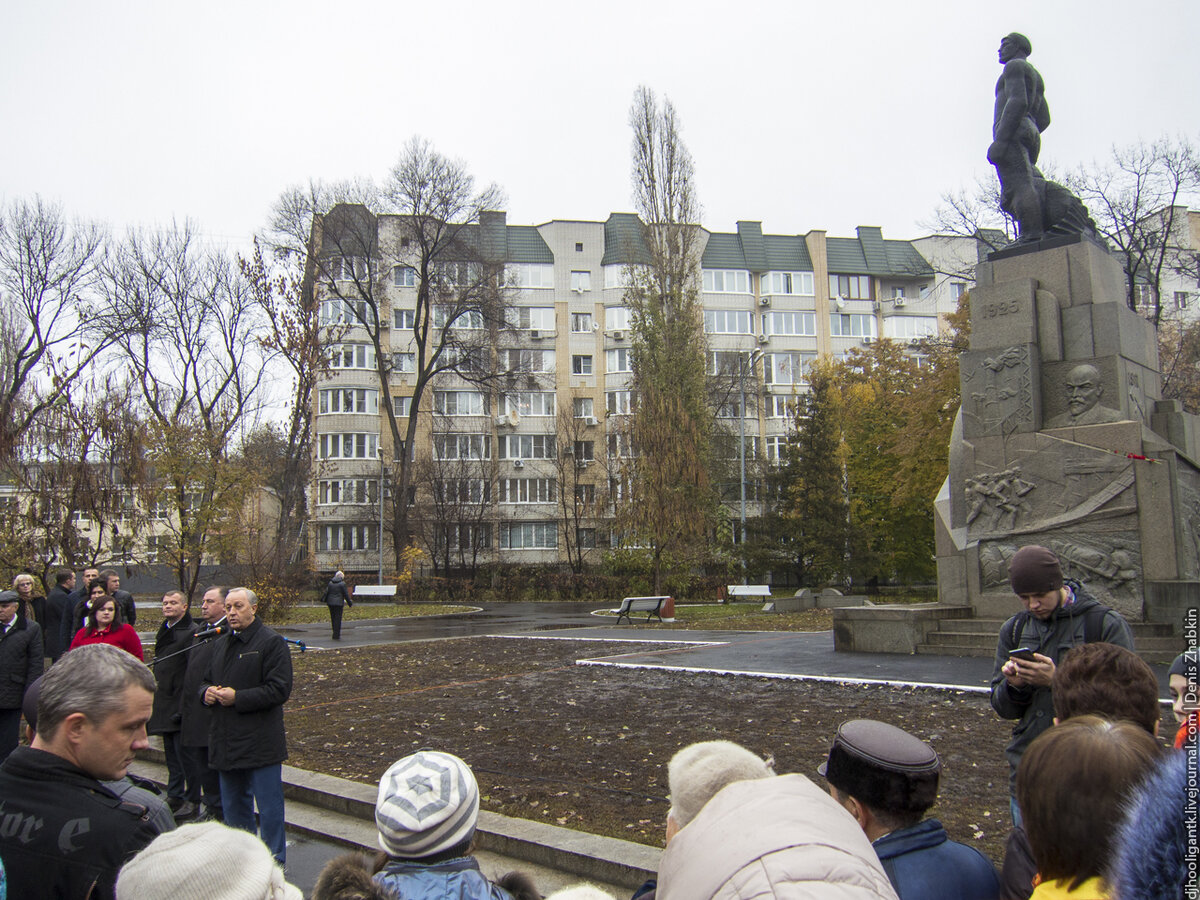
pixel 210 633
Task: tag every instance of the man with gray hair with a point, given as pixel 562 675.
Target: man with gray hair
pixel 246 683
pixel 66 835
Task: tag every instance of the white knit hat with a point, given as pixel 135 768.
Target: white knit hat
pixel 206 861
pixel 581 892
pixel 698 772
pixel 428 802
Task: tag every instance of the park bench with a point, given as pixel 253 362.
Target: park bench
pixel 650 605
pixel 374 590
pixel 743 591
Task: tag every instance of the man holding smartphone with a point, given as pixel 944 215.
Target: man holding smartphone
pixel 1059 614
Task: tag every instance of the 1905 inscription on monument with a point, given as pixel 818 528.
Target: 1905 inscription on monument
pixel 1003 314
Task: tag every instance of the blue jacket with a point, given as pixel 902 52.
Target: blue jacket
pixel 923 864
pixel 1152 846
pixel 451 879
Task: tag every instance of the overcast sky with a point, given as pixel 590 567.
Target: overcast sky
pixel 800 114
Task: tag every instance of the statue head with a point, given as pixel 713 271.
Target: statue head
pixel 1084 389
pixel 1014 46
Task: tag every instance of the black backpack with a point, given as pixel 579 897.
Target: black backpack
pixel 1093 624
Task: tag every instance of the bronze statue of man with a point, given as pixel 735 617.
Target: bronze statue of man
pixel 1020 118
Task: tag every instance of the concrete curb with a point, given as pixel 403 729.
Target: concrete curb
pixel 352 805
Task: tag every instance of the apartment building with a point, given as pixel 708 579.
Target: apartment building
pixel 520 469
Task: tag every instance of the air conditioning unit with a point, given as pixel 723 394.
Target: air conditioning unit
pixel 577 289
pixel 914 342
pixel 592 420
pixel 501 421
pixel 762 338
pixel 583 463
pixel 518 463
pixel 900 301
pixel 535 334
pixel 618 335
pixel 764 301
pixel 868 340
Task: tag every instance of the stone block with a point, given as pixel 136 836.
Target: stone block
pixel 1160 559
pixel 1049 326
pixel 1003 314
pixel 788 604
pixel 952 580
pixel 1001 392
pixel 1140 386
pixel 1077 273
pixel 804 599
pixel 1118 331
pixel 1056 413
pixel 1077 340
pixel 1173 603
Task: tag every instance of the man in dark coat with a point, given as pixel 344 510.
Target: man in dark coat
pixel 58 607
pixel 112 585
pixel 170 663
pixel 203 783
pixel 77 610
pixel 20 666
pixel 336 596
pixel 66 835
pixel 246 683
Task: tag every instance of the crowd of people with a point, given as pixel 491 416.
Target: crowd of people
pixel 1100 807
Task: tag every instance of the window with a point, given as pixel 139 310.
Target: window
pixel 728 321
pixel 579 246
pixel 776 448
pixel 618 360
pixel 404 276
pixel 158 548
pixel 528 403
pixel 852 325
pixel 585 494
pixel 618 403
pixel 448 317
pixel 788 283
pixel 851 287
pixel 351 356
pixel 403 318
pixel 358 491
pixel 528 536
pixel 528 490
pixel 617 277
pixel 526 275
pixel 462 446
pixel 459 403
pixel 1181 299
pixel 957 289
pixel 585 451
pixel 619 446
pixel 616 318
pixel 726 446
pixel 907 328
pixel 584 407
pixel 788 368
pixel 729 362
pixel 464 359
pixel 732 408
pixel 456 274
pixel 726 281
pixel 348 400
pixel 585 538
pixel 796 323
pixel 347 537
pixel 347 268
pixel 350 445
pixel 535 317
pixel 339 311
pixel 581 365
pixel 527 446
pixel 899 291
pixel 581 281
pixel 462 490
pixel 530 361
pixel 780 406
pixel 465 536
pixel 404 363
pixel 581 323
pixel 402 406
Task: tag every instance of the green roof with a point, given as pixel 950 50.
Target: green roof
pixel 870 254
pixel 525 245
pixel 624 243
pixel 751 249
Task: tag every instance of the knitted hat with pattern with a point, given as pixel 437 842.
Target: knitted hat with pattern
pixel 427 803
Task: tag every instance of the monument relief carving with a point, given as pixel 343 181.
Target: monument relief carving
pixel 1084 391
pixel 998 392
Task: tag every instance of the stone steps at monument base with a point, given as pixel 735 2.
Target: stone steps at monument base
pixel 1152 646
pixel 1141 630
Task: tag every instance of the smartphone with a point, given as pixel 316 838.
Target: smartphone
pixel 1022 653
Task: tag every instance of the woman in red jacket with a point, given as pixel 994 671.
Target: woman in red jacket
pixel 103 626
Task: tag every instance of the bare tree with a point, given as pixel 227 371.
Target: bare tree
pixel 52 326
pixel 197 363
pixel 578 491
pixel 1138 199
pixel 431 242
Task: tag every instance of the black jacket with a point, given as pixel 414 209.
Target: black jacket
pixel 58 605
pixel 72 619
pixel 196 717
pixel 65 832
pixel 128 607
pixel 168 673
pixel 336 594
pixel 20 661
pixel 258 665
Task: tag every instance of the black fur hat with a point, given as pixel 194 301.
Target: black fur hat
pixel 882 766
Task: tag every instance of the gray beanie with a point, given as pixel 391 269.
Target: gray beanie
pixel 206 861
pixel 427 803
pixel 699 771
pixel 1186 664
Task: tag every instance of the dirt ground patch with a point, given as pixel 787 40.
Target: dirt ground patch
pixel 587 747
